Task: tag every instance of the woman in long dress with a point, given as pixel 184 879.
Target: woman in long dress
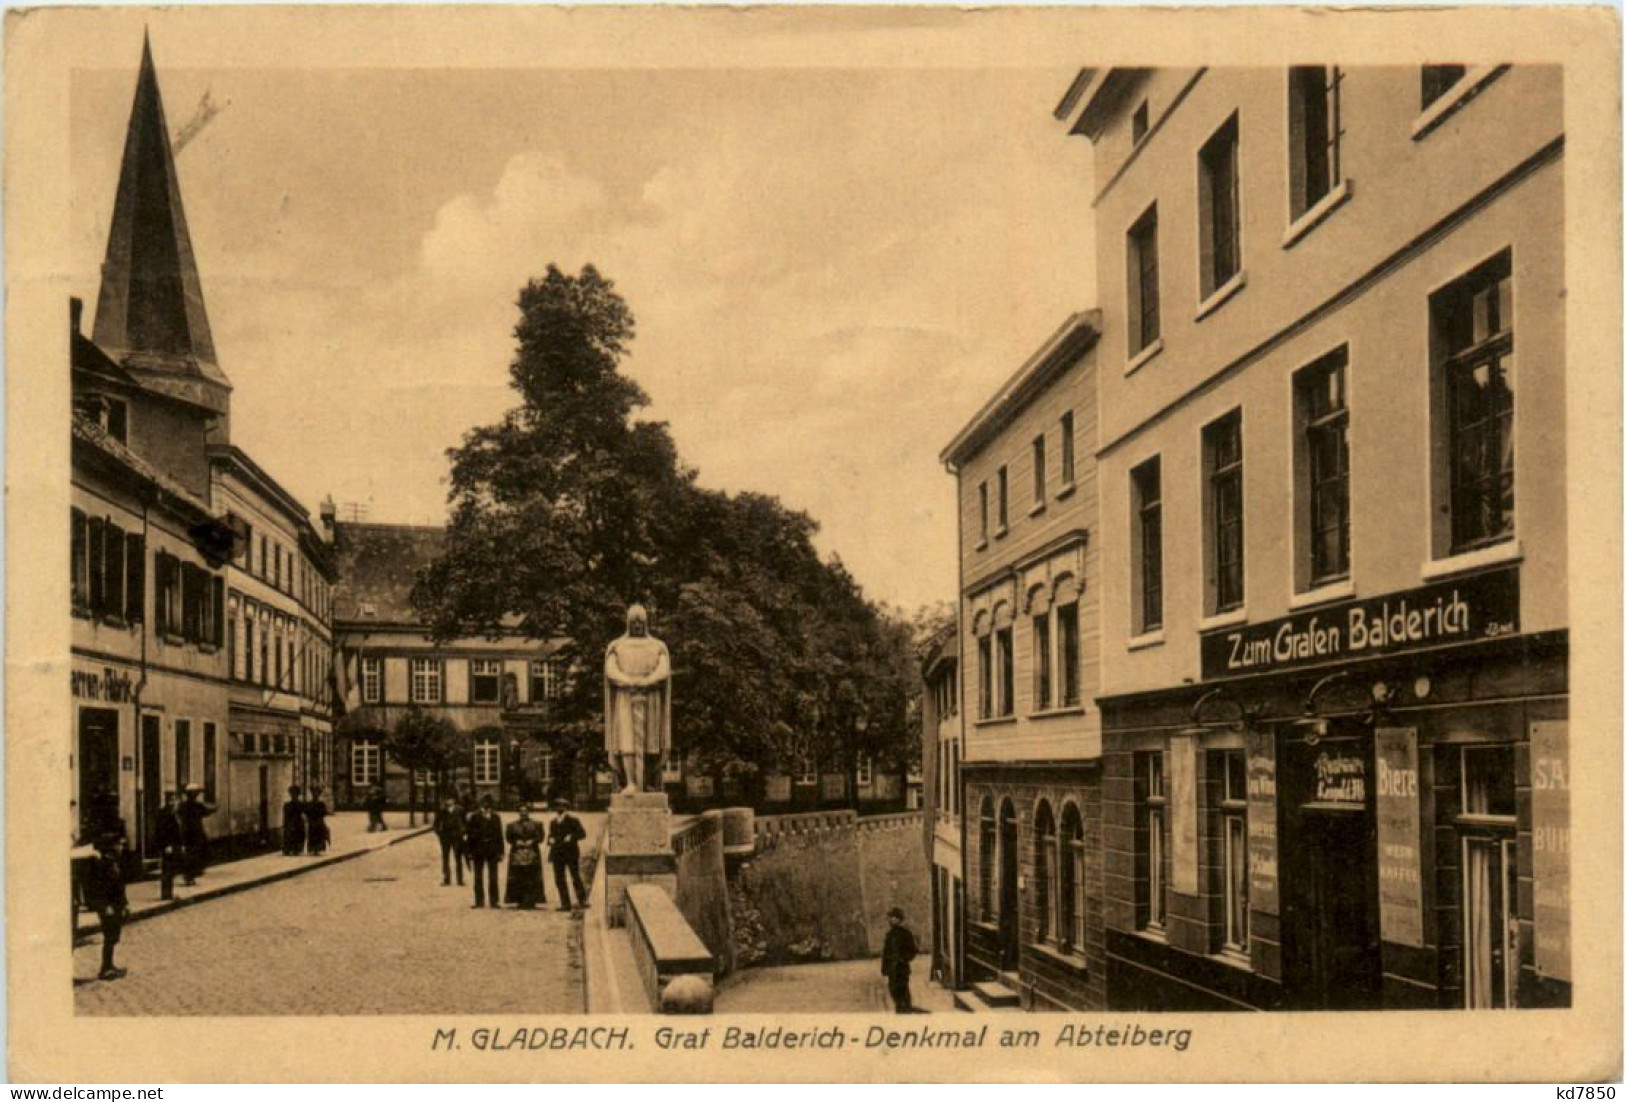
pixel 525 886
pixel 316 816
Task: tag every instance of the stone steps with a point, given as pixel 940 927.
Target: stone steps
pixel 988 997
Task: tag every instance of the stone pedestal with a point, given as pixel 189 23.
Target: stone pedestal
pixel 637 849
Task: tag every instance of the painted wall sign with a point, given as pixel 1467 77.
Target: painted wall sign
pixel 1549 781
pixel 1182 812
pixel 1399 837
pixel 1481 607
pixel 109 686
pixel 1264 893
pixel 1339 778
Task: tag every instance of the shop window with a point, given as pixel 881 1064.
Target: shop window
pixel 1145 486
pixel 1317 134
pixel 1231 783
pixel 1144 295
pixel 1221 461
pixel 1046 874
pixel 427 680
pixel 1072 896
pixel 1322 470
pixel 1473 402
pixel 487 762
pixel 1066 627
pixel 986 860
pixel 484 681
pixel 365 762
pixel 1041 662
pixel 1439 79
pixel 1151 910
pixel 1219 200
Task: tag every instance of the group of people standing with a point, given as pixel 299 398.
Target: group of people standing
pixel 475 836
pixel 304 823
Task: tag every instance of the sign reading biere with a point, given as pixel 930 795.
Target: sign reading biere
pixel 1399 837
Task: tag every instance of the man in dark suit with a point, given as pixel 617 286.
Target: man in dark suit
pixel 483 844
pixel 193 810
pixel 899 950
pixel 564 835
pixel 450 822
pixel 170 848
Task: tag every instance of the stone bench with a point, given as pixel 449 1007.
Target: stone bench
pixel 676 967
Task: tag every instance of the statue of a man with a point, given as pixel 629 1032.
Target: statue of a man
pixel 637 702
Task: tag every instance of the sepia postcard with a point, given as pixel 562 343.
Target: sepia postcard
pixel 812 543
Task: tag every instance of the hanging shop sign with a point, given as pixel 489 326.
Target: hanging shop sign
pixel 1399 837
pixel 1340 778
pixel 1182 812
pixel 1484 606
pixel 1264 893
pixel 1549 784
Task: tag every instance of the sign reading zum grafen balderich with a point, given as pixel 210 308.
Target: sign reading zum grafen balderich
pixel 1483 606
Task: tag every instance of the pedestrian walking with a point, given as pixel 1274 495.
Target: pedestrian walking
pixel 482 842
pixel 450 822
pixel 293 823
pixel 318 833
pixel 194 839
pixel 564 835
pixel 171 847
pixel 525 885
pixel 375 810
pixel 900 948
pixel 104 894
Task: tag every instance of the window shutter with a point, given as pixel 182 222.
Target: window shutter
pixel 81 559
pixel 113 582
pixel 97 574
pixel 219 626
pixel 135 567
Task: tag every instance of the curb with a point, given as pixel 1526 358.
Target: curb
pixel 94 928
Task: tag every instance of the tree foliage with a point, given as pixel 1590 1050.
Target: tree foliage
pixel 423 741
pixel 573 506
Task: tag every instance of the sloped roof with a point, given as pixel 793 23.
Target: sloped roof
pixel 89 435
pixel 378 564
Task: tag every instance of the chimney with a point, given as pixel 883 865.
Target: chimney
pixel 330 514
pixel 76 313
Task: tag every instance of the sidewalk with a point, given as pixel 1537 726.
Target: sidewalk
pixel 350 839
pixel 848 986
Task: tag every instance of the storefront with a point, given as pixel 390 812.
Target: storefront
pixel 1322 825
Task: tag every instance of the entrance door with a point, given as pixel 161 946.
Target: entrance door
pixel 1490 930
pixel 1009 894
pixel 152 782
pixel 1340 956
pixel 98 770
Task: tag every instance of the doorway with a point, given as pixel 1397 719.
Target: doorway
pixel 152 782
pixel 1337 946
pixel 1009 888
pixel 1489 876
pixel 98 771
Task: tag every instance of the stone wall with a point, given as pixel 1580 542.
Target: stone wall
pixel 702 885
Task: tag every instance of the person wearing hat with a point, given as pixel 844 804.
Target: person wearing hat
pixel 171 850
pixel 450 823
pixel 194 839
pixel 375 804
pixel 104 893
pixel 564 835
pixel 482 843
pixel 525 885
pixel 293 823
pixel 900 948
pixel 317 832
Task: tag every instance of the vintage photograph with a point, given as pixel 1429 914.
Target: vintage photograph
pixel 560 538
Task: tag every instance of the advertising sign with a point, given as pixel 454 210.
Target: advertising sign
pixel 1263 892
pixel 1399 837
pixel 1549 780
pixel 1182 812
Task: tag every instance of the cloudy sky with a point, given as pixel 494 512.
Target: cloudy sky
pixel 831 268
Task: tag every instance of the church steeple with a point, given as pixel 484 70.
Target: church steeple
pixel 150 314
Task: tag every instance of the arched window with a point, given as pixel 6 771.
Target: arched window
pixel 1045 869
pixel 1070 903
pixel 987 858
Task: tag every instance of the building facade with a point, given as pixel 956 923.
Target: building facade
pixel 1334 645
pixel 1030 645
pixel 942 731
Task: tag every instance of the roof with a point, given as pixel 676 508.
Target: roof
pixel 941 651
pixel 1075 337
pixel 87 434
pixel 378 564
pixel 1098 97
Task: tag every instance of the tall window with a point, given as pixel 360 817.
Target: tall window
pixel 1317 134
pixel 1152 911
pixel 280 624
pixel 265 565
pixel 1041 662
pixel 210 761
pixel 183 753
pixel 1439 79
pixel 1488 826
pixel 984 677
pixel 1072 895
pixel 1066 627
pixel 372 680
pixel 865 771
pixel 487 762
pixel 1068 455
pixel 1040 487
pixel 981 492
pixel 1219 201
pixel 1323 442
pixel 1005 641
pixel 1004 499
pixel 484 681
pixel 1046 873
pixel 1144 297
pixel 1472 326
pixel 1231 767
pixel 108 569
pixel 426 680
pixel 987 859
pixel 1221 446
pixel 1145 483
pixel 546 679
pixel 365 759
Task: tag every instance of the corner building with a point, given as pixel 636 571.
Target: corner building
pixel 1030 774
pixel 1334 645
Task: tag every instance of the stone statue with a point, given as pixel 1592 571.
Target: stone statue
pixel 637 702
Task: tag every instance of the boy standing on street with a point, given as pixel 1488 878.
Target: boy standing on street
pixel 899 950
pixel 104 894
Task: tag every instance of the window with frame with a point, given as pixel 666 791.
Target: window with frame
pixel 1221 455
pixel 210 762
pixel 246 670
pixel 1230 767
pixel 1144 295
pixel 1487 827
pixel 1472 341
pixel 1219 203
pixel 485 681
pixel 1439 79
pixel 108 569
pixel 1316 122
pixel 1041 662
pixel 1046 870
pixel 1004 639
pixel 984 677
pixel 427 680
pixel 183 754
pixel 1323 515
pixel 372 680
pixel 1004 500
pixel 1145 486
pixel 1066 630
pixel 1040 475
pixel 1068 452
pixel 981 492
pixel 546 680
pixel 987 858
pixel 365 761
pixel 487 762
pixel 1151 910
pixel 865 771
pixel 264 564
pixel 1072 898
pixel 277 646
pixel 806 772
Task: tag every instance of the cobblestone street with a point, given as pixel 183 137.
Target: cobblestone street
pixel 375 935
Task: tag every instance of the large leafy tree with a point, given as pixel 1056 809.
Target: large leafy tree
pixel 571 507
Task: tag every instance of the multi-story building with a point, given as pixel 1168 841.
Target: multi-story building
pixel 148 640
pixel 942 735
pixel 279 647
pixel 1334 640
pixel 495 692
pixel 1029 637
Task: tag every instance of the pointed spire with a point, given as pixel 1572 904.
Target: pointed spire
pixel 150 313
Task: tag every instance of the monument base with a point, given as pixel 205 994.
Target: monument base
pixel 637 849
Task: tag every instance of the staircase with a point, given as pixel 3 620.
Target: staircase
pixel 990 996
